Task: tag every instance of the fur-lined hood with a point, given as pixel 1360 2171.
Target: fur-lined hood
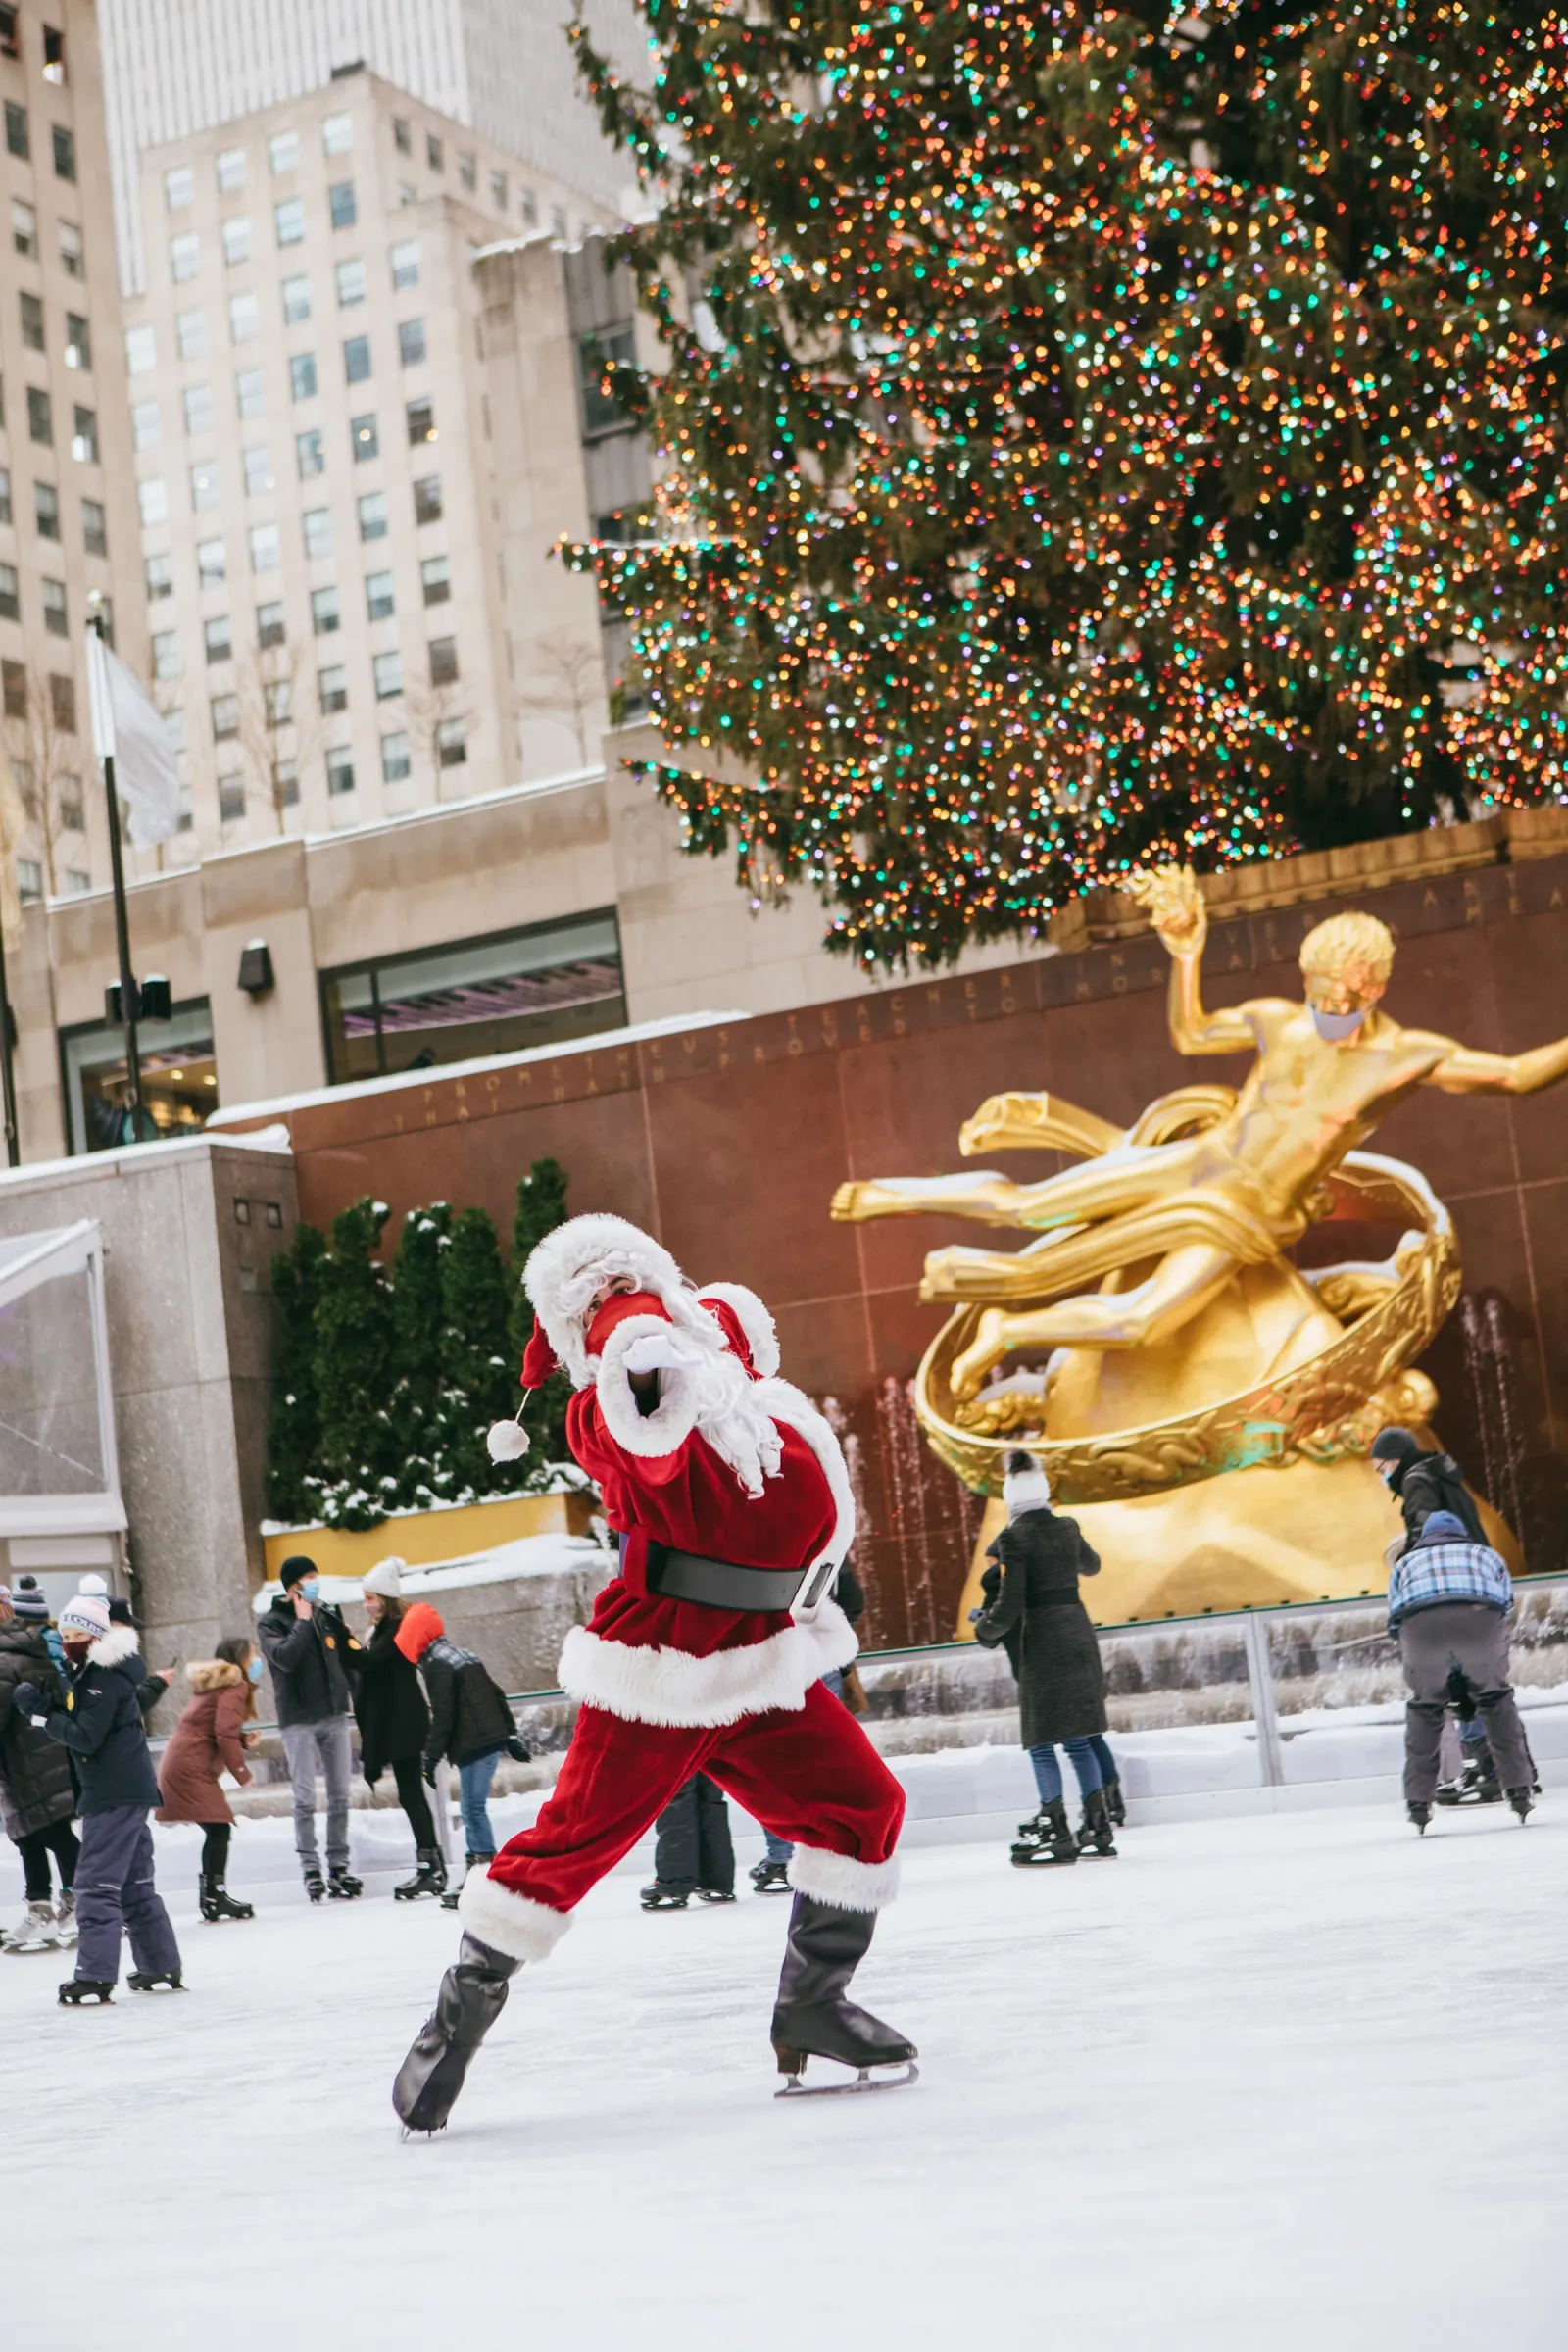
pixel 121 1642
pixel 212 1674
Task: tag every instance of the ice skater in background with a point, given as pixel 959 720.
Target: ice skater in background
pixel 37 1794
pixel 1450 1602
pixel 1033 1610
pixel 704 1654
pixel 471 1726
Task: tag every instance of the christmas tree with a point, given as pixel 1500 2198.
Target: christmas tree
pixel 418 1321
pixel 541 1207
pixel 357 1478
pixel 478 1379
pixel 295 1433
pixel 1089 439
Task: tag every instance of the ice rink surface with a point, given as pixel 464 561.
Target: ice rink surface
pixel 1275 2082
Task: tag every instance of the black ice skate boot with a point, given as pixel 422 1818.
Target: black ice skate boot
pixel 1115 1803
pixel 429 1879
pixel 770 1877
pixel 1420 1815
pixel 149 1979
pixel 473 1994
pixel 218 1904
pixel 811 2019
pixel 1094 1837
pixel 77 1990
pixel 341 1884
pixel 667 1894
pixel 315 1883
pixel 471 1863
pixel 1522 1801
pixel 1046 1839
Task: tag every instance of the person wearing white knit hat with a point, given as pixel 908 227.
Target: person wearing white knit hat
pixel 385 1578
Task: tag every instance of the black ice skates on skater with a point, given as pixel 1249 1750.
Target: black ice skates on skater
pixel 770 1877
pixel 78 1990
pixel 342 1885
pixel 429 1878
pixel 1095 1831
pixel 473 1994
pixel 1048 1839
pixel 215 1902
pixel 811 2019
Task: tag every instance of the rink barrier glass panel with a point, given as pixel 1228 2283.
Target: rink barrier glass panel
pixel 59 1470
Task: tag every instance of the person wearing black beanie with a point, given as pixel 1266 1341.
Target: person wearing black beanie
pixel 1423 1483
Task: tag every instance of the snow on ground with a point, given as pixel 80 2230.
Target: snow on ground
pixel 1290 2081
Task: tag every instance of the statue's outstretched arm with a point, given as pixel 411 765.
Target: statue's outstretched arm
pixel 1174 900
pixel 1463 1070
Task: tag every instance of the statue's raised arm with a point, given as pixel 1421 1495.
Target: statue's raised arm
pixel 1173 899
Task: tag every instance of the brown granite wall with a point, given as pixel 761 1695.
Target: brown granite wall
pixel 727 1143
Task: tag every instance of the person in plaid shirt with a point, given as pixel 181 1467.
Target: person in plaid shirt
pixel 1450 1602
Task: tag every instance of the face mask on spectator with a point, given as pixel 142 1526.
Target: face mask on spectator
pixel 311 1587
pixel 255 1670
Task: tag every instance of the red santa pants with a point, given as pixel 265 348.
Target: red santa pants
pixel 809 1775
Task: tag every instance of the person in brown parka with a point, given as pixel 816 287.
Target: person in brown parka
pixel 211 1737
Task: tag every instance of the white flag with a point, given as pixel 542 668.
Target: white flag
pixel 127 729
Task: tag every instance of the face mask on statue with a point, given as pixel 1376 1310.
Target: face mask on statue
pixel 1335 1025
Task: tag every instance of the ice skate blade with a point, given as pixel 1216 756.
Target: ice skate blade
pixel 407 2132
pixel 867 2077
pixel 1036 1857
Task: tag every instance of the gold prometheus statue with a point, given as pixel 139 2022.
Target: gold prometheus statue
pixel 1173 1337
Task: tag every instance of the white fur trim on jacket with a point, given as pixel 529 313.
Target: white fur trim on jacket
pixel 121 1641
pixel 783 1401
pixel 578 1258
pixel 839 1879
pixel 675 1417
pixel 654 1685
pixel 513 1924
pixel 761 1332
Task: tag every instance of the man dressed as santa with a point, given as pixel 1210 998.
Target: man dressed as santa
pixel 729 1497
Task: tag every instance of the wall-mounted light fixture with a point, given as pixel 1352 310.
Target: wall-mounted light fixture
pixel 256 975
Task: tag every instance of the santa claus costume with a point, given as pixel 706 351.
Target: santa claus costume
pixel 728 1494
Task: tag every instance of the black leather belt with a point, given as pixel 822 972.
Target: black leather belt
pixel 725 1584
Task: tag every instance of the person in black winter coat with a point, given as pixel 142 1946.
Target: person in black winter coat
pixel 310 1649
pixel 1424 1482
pixel 471 1725
pixel 37 1793
pixel 1036 1614
pixel 392 1719
pixel 101 1724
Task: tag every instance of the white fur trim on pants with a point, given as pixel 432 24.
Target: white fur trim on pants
pixel 513 1924
pixel 839 1879
pixel 670 1687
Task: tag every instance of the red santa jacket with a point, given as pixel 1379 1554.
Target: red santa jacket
pixel 732 1465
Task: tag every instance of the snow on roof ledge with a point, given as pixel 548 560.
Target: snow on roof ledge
pixel 85 1164
pixel 501 1564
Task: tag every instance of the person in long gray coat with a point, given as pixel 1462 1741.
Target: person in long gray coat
pixel 1036 1612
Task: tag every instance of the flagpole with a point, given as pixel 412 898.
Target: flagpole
pixel 128 984
pixel 8 1075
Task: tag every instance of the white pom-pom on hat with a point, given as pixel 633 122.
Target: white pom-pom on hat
pixel 507 1441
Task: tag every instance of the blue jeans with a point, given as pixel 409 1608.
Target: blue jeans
pixel 1048 1771
pixel 779 1849
pixel 474 1788
pixel 1110 1769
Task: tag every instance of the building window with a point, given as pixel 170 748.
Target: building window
pixel 40 416
pixel 366 439
pixel 5 494
pixel 339 771
pixel 226 717
pixel 341 204
pixel 407 192
pixel 175 728
pixel 528 206
pixel 404 264
pixel 236 240
pixel 94 527
pixel 249 392
pixel 203 488
pixel 263 547
pixel 372 515
pixel 477 996
pixel 16 140
pixel 54 608
pixel 178 1074
pixel 380 600
pixel 357 359
pixel 395 761
pixel 198 408
pixel 288 220
pixel 146 426
pixel 296 301
pixel 46 510
pixel 402 138
pixel 79 341
pixel 9 592
pixel 165 654
pixel 387 672
pixel 244 317
pixel 13 689
pixel 179 187
pixel 159 571
pixel 184 257
pixel 498 189
pixel 65 147
pixel 435 578
pixel 605 347
pixel 29 881
pixel 443 661
pixel 230 800
pixel 326 615
pixel 318 526
pixel 63 712
pixel 351 286
pixel 211 564
pixel 302 374
pixel 219 640
pixel 284 152
pixel 277 703
pixel 141 352
pixel 31 321
pixel 271 627
pixel 24 228
pixel 452 743
pixel 334 690
pixel 428 506
pixel 68 791
pixel 190 333
pixel 152 498
pixel 435 154
pixel 337 134
pixel 73 260
pixel 286 783
pixel 84 436
pixel 257 464
pixel 54 55
pixel 309 453
pixel 412 343
pixel 10 32
pixel 422 422
pixel 468 171
pixel 230 171
pixel 77 883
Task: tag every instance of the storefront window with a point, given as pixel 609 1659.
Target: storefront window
pixel 178 1078
pixel 478 996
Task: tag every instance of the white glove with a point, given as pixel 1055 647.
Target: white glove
pixel 660 1351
